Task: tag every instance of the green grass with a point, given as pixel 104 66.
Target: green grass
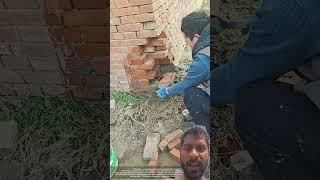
pixel 124 99
pixel 58 139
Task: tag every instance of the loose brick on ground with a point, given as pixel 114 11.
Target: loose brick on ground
pixel 163 144
pixel 176 134
pixel 174 144
pixel 175 155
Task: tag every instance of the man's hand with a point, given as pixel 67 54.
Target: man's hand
pixel 162 92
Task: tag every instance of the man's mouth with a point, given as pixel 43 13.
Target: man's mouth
pixel 194 164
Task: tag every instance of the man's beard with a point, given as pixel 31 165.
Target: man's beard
pixel 194 174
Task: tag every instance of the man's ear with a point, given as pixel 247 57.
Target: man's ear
pixel 196 35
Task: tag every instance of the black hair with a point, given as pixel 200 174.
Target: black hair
pixel 194 23
pixel 197 131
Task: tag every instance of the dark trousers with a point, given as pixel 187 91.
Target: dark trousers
pixel 281 129
pixel 198 103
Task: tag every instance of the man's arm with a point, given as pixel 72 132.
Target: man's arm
pixel 198 72
pixel 276 44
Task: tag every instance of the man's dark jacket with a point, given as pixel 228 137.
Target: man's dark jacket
pixel 284 34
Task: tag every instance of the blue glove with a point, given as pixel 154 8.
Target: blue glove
pixel 162 92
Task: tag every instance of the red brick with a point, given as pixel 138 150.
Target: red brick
pixel 92 4
pixel 151 75
pixel 140 2
pixel 118 43
pixel 113 29
pixel 121 3
pixel 95 36
pixel 150 25
pixel 137 18
pixel 162 35
pixel 154 163
pixel 118 49
pixel 158 54
pixel 85 18
pixel 125 11
pixel 117 35
pixel 148 65
pixel 176 134
pixel 147 34
pixel 138 72
pixel 115 21
pixel 91 50
pixel 167 80
pixel 161 48
pixel 158 42
pixel 130 27
pixel 53 19
pixel 22 4
pixel 147 8
pixel 136 49
pixel 63 35
pixel 8 34
pixel 130 35
pixel 136 59
pixel 175 155
pixel 137 42
pixel 175 144
pixel 149 49
pixel 58 4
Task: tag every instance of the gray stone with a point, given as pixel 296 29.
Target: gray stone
pixel 8 134
pixel 151 148
pixel 241 160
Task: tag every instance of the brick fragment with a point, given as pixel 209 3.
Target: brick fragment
pixel 167 80
pixel 158 54
pixel 149 49
pixel 148 65
pixel 175 155
pixel 174 144
pixel 176 134
pixel 158 42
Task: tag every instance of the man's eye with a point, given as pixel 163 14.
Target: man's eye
pixel 201 148
pixel 187 148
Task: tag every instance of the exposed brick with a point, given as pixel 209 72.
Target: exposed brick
pixel 137 18
pixel 147 34
pixel 34 34
pixel 172 136
pixel 147 8
pixel 58 4
pixel 136 49
pixel 27 90
pixel 113 29
pixel 53 19
pixel 64 35
pixel 95 36
pixel 158 42
pixel 148 65
pixel 117 35
pixel 125 11
pixel 175 144
pixel 158 54
pixel 162 35
pixel 10 77
pixel 134 58
pixel 118 43
pixel 22 4
pixel 175 155
pixel 21 17
pixel 137 42
pixel 150 25
pixel 92 4
pixel 140 2
pixel 130 27
pixel 115 21
pixel 161 48
pixel 91 50
pixel 149 49
pixel 118 49
pixel 130 35
pixel 151 75
pixel 167 80
pixel 85 18
pixel 5 49
pixel 37 50
pixel 121 3
pixel 45 64
pixel 16 62
pixel 43 77
pixel 8 34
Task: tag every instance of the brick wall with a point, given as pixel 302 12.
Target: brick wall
pixel 145 34
pixel 53 48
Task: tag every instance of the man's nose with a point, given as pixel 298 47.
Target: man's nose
pixel 194 154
